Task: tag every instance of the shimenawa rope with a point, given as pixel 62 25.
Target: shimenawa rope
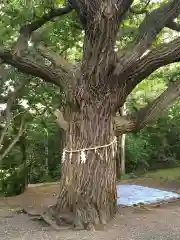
pixel 83 150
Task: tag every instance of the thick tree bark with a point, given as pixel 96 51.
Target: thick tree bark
pixel 88 183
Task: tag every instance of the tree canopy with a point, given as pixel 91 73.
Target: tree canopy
pixel 147 39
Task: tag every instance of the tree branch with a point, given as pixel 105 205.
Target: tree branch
pixel 60 120
pixel 8 122
pixel 9 99
pixel 62 123
pixel 123 125
pixel 57 61
pixel 28 66
pixel 54 58
pixel 173 26
pixel 161 56
pixel 145 115
pixel 26 30
pixel 5 128
pixel 140 11
pixel 61 76
pixel 64 69
pixel 148 30
pixel 13 95
pixel 123 6
pixel 22 128
pixel 3 74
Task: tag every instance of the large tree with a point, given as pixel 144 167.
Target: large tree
pixel 95 89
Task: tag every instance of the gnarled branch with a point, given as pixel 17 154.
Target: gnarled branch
pixel 173 25
pixel 123 125
pixel 22 128
pixel 61 76
pixel 13 95
pixel 9 99
pixel 28 66
pixel 123 6
pixel 148 30
pixel 145 115
pixel 26 30
pixel 161 56
pixel 64 69
pixel 60 120
pixel 58 62
pixel 53 57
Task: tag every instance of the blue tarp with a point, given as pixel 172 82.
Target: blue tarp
pixel 133 194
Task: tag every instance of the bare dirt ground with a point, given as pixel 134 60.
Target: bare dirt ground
pixel 149 223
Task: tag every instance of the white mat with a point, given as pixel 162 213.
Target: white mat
pixel 133 194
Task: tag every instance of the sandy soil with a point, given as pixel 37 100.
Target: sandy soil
pixel 149 223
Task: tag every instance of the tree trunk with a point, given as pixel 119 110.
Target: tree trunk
pixel 46 152
pixel 123 144
pixel 118 158
pixel 88 184
pixel 22 143
pixel 123 157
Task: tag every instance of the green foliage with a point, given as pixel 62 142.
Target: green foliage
pixel 13 181
pixel 136 155
pixel 43 140
pixel 171 174
pixel 156 146
pixel 37 142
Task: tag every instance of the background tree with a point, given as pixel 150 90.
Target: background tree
pixel 155 146
pixel 95 89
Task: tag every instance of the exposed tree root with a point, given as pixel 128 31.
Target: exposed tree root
pixel 48 217
pixel 52 222
pixel 86 217
pixel 31 212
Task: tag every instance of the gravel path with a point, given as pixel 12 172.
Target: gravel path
pixel 131 224
pixel 161 223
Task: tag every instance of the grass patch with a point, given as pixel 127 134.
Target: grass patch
pixel 158 177
pixel 170 174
